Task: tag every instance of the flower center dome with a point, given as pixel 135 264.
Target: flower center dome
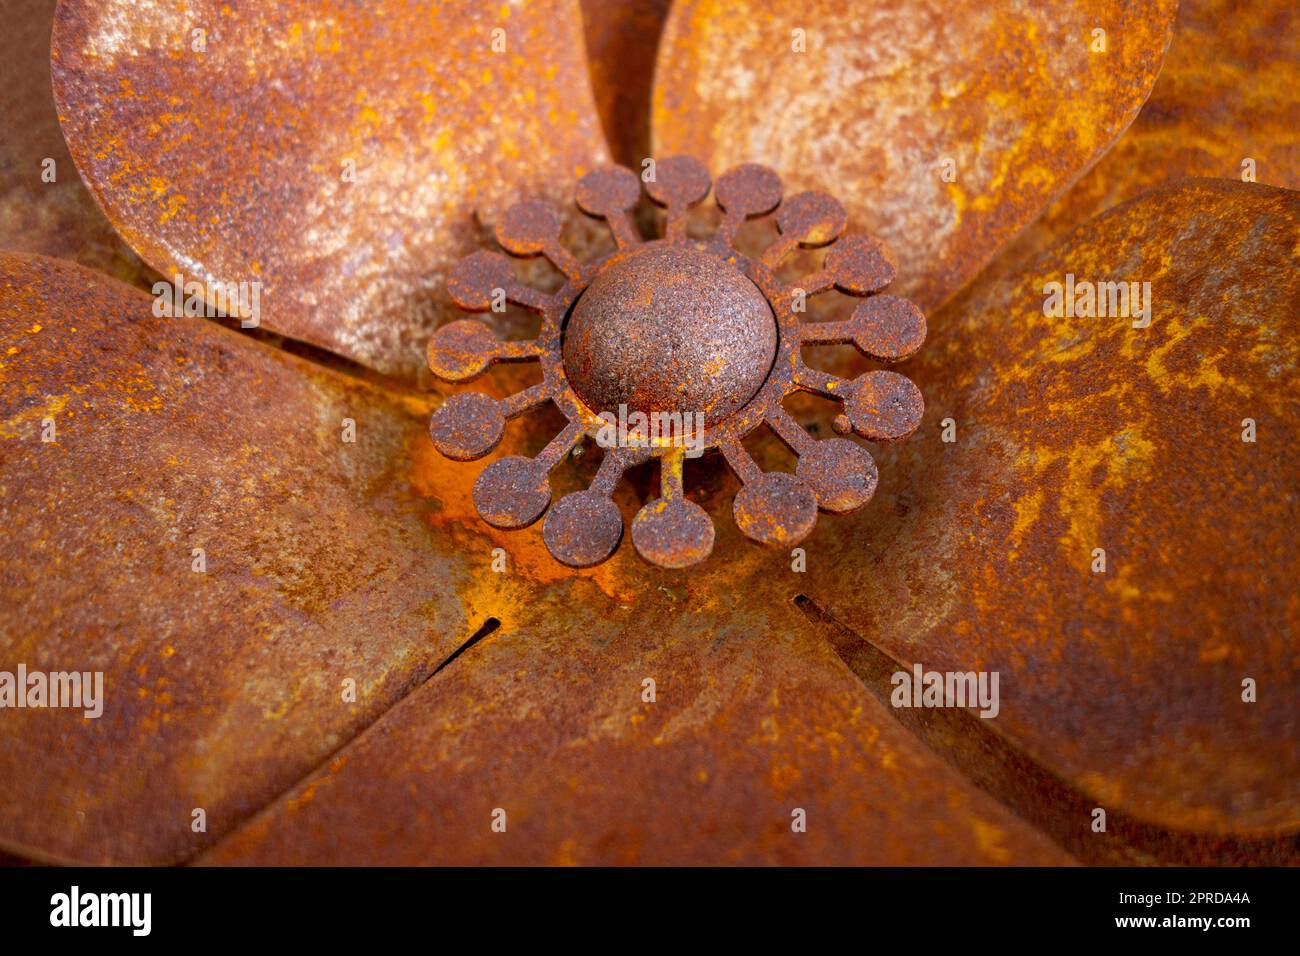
pixel 671 328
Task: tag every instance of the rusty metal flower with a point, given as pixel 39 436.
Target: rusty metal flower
pixel 236 525
pixel 689 331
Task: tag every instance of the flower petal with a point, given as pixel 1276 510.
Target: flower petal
pixel 333 152
pixel 44 206
pixel 224 672
pixel 548 719
pixel 1223 106
pixel 943 134
pixel 1123 679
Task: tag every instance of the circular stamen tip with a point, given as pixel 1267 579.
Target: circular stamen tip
pixel 467 426
pixel 884 406
pixel 512 492
pixel 474 280
pixel 583 529
pixel 748 190
pixel 461 350
pixel 776 508
pixel 679 181
pixel 888 328
pixel 860 265
pixel 527 228
pixel 813 218
pixel 605 192
pixel 672 533
pixel 841 473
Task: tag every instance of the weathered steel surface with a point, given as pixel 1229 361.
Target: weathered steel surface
pixel 321 565
pixel 1126 686
pixel 622 39
pixel 45 208
pixel 670 330
pixel 887 93
pixel 336 152
pixel 1080 433
pixel 329 561
pixel 546 719
pixel 1226 94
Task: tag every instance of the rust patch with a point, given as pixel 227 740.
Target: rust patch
pixel 222 685
pixel 334 152
pixel 1226 93
pixel 622 37
pixel 1074 434
pixel 884 96
pixel 753 718
pixel 695 335
pixel 54 218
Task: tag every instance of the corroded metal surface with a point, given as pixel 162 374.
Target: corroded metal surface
pixel 328 561
pixel 752 718
pixel 44 206
pixel 940 556
pixel 670 330
pixel 545 717
pixel 622 38
pixel 224 685
pixel 1073 434
pixel 673 327
pixel 1120 689
pixel 1226 94
pixel 335 152
pixel 884 95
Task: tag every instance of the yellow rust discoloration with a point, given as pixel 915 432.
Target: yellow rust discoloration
pixel 1225 95
pixel 367 560
pixel 1084 433
pixel 337 144
pixel 1012 93
pixel 224 685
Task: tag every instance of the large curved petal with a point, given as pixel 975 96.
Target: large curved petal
pixel 944 132
pixel 223 683
pixel 44 206
pixel 1125 680
pixel 335 153
pixel 550 721
pixel 1224 106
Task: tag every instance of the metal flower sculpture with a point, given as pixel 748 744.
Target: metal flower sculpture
pixel 698 335
pixel 306 629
